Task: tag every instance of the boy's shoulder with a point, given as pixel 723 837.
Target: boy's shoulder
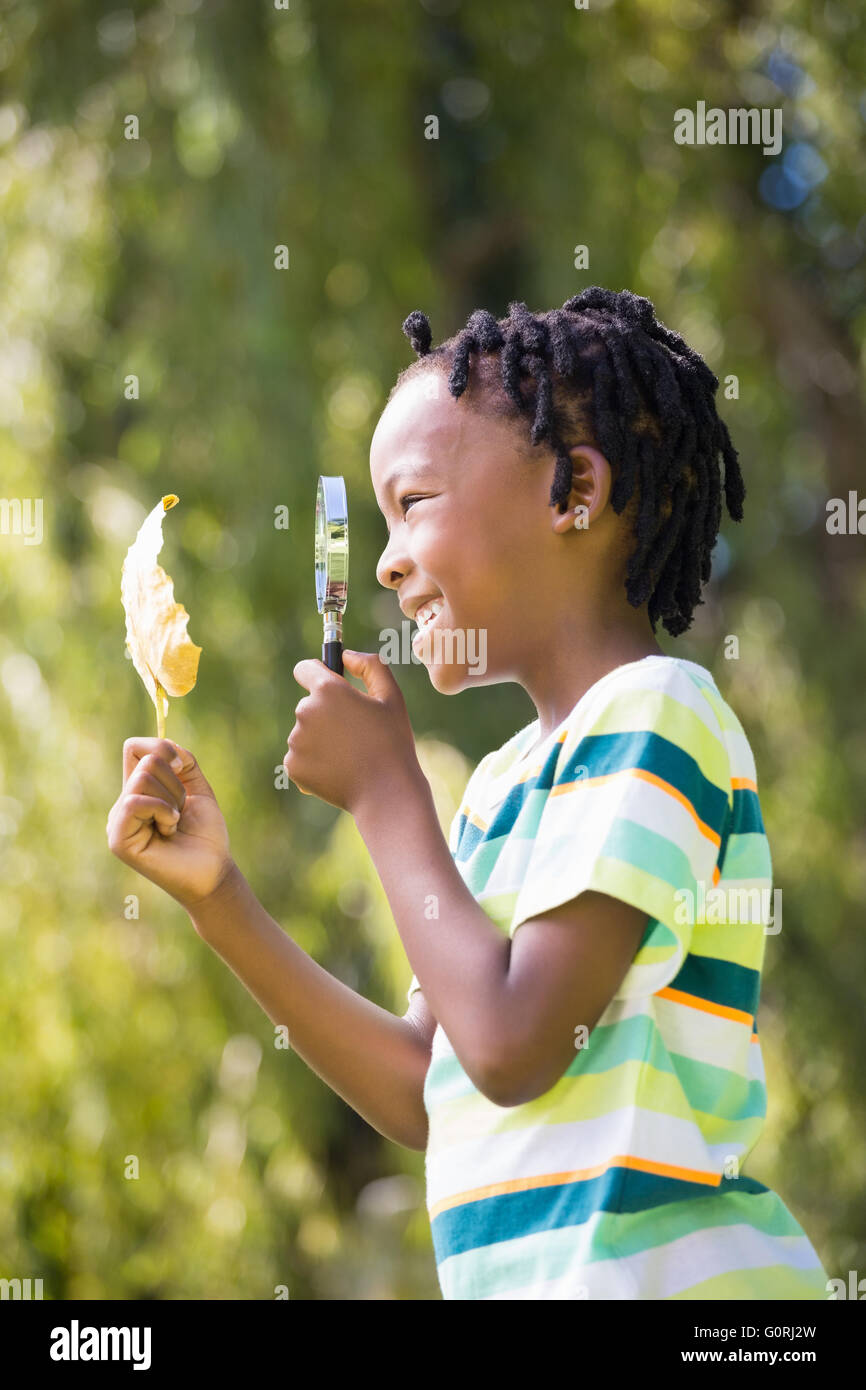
pixel 672 676
pixel 635 694
pixel 667 699
pixel 663 713
pixel 663 694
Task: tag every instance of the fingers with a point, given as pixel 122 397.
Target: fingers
pixel 134 749
pixel 132 811
pixel 311 673
pixel 157 754
pixel 152 776
pixel 151 782
pixel 191 775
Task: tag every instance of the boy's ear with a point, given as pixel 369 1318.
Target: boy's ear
pixel 590 488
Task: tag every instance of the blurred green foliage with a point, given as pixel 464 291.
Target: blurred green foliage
pixel 304 127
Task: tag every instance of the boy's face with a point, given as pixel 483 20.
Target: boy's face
pixel 477 532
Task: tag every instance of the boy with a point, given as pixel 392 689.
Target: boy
pixel 587 1088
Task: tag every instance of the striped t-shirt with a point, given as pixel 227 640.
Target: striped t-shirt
pixel 625 1179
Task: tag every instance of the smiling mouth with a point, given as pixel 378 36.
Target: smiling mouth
pixel 420 633
pixel 432 609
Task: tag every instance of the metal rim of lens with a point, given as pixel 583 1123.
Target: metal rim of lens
pixel 331 543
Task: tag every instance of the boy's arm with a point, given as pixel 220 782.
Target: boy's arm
pixel 509 1007
pixel 565 968
pixel 376 1061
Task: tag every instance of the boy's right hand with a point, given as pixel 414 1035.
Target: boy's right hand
pixel 189 855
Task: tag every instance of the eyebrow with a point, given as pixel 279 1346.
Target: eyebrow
pixel 403 470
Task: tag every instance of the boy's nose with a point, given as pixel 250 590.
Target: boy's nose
pixel 392 568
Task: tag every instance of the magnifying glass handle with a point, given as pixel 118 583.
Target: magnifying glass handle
pixel 332 656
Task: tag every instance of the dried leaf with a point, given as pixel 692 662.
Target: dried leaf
pixel 156 636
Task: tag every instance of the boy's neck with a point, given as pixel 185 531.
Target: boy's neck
pixel 573 669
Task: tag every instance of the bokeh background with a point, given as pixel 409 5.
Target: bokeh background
pixel 155 257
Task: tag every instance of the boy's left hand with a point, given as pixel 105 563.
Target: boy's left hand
pixel 349 746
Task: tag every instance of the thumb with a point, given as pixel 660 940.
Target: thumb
pixel 375 674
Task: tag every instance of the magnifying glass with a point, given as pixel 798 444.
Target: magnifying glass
pixel 332 566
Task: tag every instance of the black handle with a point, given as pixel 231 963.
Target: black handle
pixel 332 656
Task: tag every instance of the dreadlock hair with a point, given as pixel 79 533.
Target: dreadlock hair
pixel 604 369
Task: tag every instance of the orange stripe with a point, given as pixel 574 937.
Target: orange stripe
pixel 654 780
pixel 746 783
pixel 691 1001
pixel 641 1165
pixel 533 772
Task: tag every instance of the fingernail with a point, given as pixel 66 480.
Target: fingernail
pixel 176 762
pixel 176 813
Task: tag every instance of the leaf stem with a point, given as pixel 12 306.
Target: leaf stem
pixel 161 703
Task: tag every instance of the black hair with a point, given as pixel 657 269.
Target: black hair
pixel 604 365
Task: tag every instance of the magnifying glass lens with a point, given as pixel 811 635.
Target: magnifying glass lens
pixel 332 566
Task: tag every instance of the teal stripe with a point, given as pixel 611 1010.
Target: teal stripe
pixel 651 852
pixel 518 1263
pixel 598 755
pixel 601 754
pixel 720 982
pixel 746 818
pixel 520 814
pixel 763 1211
pixel 489 1220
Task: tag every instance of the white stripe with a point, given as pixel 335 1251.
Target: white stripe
pixel 694 1033
pixel 663 679
pixel 593 808
pixel 571 1145
pixel 756 1063
pixel 675 1267
pixel 742 758
pixel 663 1271
pixel 509 870
pixel 702 1036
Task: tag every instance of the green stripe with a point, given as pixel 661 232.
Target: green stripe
pixel 768 1281
pixel 722 1092
pixel 747 856
pixel 652 853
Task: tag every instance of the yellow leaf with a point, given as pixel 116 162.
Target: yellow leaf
pixel 156 636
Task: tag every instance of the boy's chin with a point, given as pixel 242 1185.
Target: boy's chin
pixel 448 680
pixel 448 668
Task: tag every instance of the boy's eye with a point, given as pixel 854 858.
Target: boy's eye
pixel 411 498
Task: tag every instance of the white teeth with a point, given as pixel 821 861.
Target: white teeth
pixel 428 611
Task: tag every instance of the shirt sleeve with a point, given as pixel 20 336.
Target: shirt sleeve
pixel 637 808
